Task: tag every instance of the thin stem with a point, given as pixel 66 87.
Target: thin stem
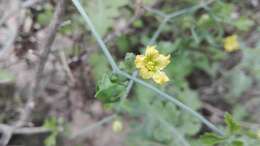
pixel 129 86
pixel 158 31
pixel 157 12
pixel 191 9
pixel 96 35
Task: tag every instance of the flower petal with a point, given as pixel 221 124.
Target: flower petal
pixel 151 51
pixel 145 73
pixel 163 61
pixel 160 77
pixel 139 61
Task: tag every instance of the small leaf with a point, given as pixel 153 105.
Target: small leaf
pixel 239 83
pixel 108 91
pixel 232 125
pixel 6 76
pixel 103 12
pixel 129 63
pixel 244 23
pixel 138 23
pixel 237 143
pixel 162 134
pixel 211 139
pixel 122 43
pixel 45 17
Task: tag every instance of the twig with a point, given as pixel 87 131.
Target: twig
pixel 23 130
pixel 157 12
pixel 66 66
pixel 24 5
pixel 85 131
pixel 6 48
pixel 31 130
pixel 46 47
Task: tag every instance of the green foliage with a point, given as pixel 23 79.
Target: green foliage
pixel 103 13
pixel 6 76
pixel 51 124
pixel 244 23
pixel 233 126
pixel 122 43
pixel 44 18
pixel 110 88
pixel 99 64
pixel 234 136
pixel 210 139
pixel 128 63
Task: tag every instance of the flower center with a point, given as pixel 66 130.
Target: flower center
pixel 151 65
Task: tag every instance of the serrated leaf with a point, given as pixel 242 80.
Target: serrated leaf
pixel 237 143
pixel 188 124
pixel 162 134
pixel 103 12
pixel 244 23
pixel 240 82
pixel 210 139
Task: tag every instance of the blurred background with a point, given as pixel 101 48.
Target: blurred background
pixel 53 75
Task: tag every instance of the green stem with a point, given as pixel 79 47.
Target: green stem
pixel 96 35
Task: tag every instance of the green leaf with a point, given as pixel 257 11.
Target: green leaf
pixel 239 83
pixel 103 12
pixel 99 65
pixel 223 11
pixel 188 124
pixel 162 134
pixel 45 17
pixel 6 76
pixel 122 43
pixel 108 91
pixel 210 139
pixel 51 140
pixel 138 23
pixel 129 63
pixel 51 124
pixel 244 23
pixel 231 124
pixel 237 143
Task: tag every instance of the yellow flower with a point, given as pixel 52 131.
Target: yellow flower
pixel 117 126
pixel 151 64
pixel 231 43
